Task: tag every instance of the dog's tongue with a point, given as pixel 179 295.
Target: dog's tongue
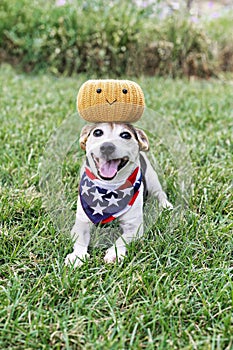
pixel 109 169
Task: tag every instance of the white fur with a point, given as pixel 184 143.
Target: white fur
pixel 132 221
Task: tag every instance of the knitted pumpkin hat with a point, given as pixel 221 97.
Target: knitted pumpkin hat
pixel 110 101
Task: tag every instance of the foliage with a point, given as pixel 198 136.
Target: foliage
pixel 221 33
pixel 81 37
pixel 118 38
pixel 174 290
pixel 181 47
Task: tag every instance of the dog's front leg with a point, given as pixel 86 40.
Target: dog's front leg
pixel 81 236
pixel 153 185
pixel 132 226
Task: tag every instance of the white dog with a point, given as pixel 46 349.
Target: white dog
pixel 114 179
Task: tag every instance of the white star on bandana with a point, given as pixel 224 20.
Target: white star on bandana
pixel 98 209
pixel 113 201
pixel 85 189
pixel 126 191
pixel 97 196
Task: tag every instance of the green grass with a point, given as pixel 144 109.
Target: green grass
pixel 174 289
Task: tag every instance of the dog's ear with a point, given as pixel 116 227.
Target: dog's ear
pixel 142 140
pixel 85 132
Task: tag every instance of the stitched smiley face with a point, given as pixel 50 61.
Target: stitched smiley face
pixel 110 101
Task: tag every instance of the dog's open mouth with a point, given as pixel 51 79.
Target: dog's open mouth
pixel 107 169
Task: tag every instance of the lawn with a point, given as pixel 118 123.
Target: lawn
pixel 174 290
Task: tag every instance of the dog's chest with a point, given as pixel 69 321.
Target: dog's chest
pixel 103 205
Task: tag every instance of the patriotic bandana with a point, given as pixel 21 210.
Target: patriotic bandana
pixel 103 205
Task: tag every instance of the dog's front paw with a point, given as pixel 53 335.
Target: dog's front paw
pixel 76 260
pixel 114 254
pixel 165 204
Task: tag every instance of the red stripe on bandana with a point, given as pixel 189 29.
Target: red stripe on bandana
pixel 130 181
pixel 133 198
pixel 111 218
pixel 132 177
pixel 90 175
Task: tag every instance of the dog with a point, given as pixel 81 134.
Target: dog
pixel 115 178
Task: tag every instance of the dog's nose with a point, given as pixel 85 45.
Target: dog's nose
pixel 107 148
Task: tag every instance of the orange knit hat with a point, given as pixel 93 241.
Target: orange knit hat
pixel 110 101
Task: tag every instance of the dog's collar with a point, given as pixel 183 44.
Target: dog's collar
pixel 103 205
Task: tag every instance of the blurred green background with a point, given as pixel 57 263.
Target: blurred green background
pixel 174 290
pixel 192 38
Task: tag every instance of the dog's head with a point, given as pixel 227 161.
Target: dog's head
pixel 112 149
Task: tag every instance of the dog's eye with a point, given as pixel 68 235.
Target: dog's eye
pixel 124 91
pixel 98 91
pixel 125 135
pixel 98 132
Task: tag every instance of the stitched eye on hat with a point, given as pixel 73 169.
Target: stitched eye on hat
pixel 126 135
pixel 98 132
pixel 124 91
pixel 98 91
